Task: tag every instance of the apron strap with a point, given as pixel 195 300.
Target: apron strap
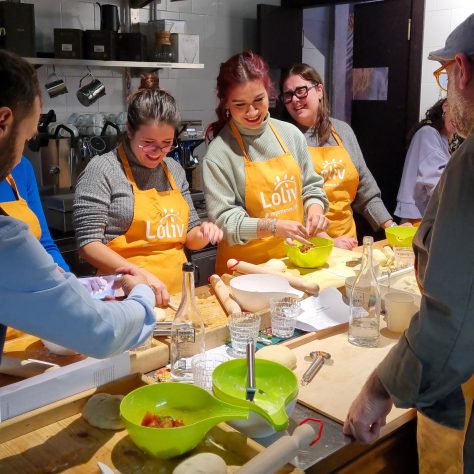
pixel 12 183
pixel 128 170
pixel 238 137
pixel 336 137
pixel 126 166
pixel 277 135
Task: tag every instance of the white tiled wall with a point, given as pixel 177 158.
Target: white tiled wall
pixel 225 27
pixel 441 17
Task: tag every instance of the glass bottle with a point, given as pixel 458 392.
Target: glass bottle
pixel 364 323
pixel 187 330
pixel 163 52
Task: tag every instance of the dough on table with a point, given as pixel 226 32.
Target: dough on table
pixel 202 463
pixel 275 264
pixel 277 353
pixel 102 410
pixel 160 314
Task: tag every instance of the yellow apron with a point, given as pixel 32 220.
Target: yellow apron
pixel 273 189
pixel 341 181
pixel 19 210
pixel 158 231
pixel 440 449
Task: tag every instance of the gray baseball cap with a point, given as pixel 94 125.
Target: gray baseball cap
pixel 461 40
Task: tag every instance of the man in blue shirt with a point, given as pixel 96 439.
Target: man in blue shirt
pixel 35 296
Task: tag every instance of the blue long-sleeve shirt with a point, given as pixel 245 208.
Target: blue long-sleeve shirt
pixel 37 298
pixel 25 180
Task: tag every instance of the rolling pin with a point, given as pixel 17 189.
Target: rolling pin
pixel 25 368
pixel 280 452
pixel 223 295
pixel 295 281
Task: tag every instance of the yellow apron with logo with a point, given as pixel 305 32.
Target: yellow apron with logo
pixel 19 210
pixel 273 190
pixel 341 181
pixel 156 237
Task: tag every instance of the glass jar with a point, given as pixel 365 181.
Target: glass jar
pixel 365 302
pixel 163 52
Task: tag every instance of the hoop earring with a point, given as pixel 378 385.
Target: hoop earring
pixel 227 114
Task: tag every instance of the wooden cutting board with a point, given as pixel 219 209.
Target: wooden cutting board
pixel 340 380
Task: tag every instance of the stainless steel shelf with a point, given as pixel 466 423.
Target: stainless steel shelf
pixel 112 64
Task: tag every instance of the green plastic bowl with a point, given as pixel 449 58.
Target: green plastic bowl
pixel 276 387
pixel 400 236
pixel 198 409
pixel 313 258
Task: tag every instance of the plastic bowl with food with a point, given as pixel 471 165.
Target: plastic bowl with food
pixel 400 236
pixel 254 292
pixel 195 409
pixel 304 256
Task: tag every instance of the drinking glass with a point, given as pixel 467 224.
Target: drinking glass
pixel 284 313
pixel 243 327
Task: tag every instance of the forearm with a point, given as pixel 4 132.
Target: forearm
pixel 101 256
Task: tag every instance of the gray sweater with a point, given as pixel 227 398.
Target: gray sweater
pixel 224 175
pixel 367 201
pixel 103 200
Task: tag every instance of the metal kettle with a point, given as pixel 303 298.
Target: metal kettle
pixel 109 17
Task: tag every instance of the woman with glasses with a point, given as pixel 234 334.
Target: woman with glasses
pixel 133 207
pixel 259 184
pixel 426 160
pixel 336 156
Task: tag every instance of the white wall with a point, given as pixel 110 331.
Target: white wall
pixel 225 27
pixel 441 17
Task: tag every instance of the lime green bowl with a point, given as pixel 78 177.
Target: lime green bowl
pixel 198 409
pixel 314 257
pixel 276 385
pixel 400 236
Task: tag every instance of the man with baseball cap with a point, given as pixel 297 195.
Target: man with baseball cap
pixel 431 368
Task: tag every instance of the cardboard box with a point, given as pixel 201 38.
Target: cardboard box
pixel 68 43
pixel 173 26
pixel 186 48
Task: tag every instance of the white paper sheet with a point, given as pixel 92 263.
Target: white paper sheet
pixel 324 311
pixel 49 387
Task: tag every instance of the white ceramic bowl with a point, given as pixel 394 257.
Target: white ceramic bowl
pixel 57 349
pixel 256 426
pixel 254 292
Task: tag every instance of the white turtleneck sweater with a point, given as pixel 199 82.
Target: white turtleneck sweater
pixel 224 175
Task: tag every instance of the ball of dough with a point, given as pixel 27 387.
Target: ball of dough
pixel 202 463
pixel 281 354
pixel 160 314
pixel 379 257
pixel 102 410
pixel 275 264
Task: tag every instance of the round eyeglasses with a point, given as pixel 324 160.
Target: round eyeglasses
pixel 300 93
pixel 151 148
pixel 441 75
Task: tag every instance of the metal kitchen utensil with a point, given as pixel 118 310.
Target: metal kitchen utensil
pixel 250 370
pixel 319 357
pixel 104 469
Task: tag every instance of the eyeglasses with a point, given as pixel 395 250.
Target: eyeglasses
pixel 151 148
pixel 441 75
pixel 300 93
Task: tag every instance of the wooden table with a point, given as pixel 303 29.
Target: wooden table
pixel 394 452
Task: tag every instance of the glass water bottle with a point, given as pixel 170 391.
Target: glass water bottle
pixel 364 323
pixel 187 330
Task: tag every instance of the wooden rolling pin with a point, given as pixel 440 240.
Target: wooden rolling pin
pixel 25 368
pixel 295 281
pixel 223 295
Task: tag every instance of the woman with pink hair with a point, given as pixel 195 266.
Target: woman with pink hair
pixel 259 183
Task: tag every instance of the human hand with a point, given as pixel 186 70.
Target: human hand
pixel 93 284
pixel 162 296
pixel 211 232
pixel 345 242
pixel 129 278
pixel 368 412
pixel 292 230
pixel 316 221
